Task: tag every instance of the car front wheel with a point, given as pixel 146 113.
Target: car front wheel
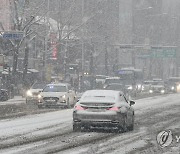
pixel 76 127
pixel 131 127
pixel 125 124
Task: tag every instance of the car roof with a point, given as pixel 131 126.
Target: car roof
pixel 157 79
pixel 148 81
pixel 57 84
pixel 101 93
pixel 115 84
pixel 100 96
pixel 113 77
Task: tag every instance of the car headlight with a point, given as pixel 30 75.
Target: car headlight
pixel 151 91
pixel 178 86
pixel 64 96
pixel 39 96
pixel 162 91
pixel 130 88
pixel 29 93
pixel 172 88
pixel 139 86
pixel 143 88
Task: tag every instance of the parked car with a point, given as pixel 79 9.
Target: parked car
pixel 33 92
pixel 4 95
pixel 103 108
pixel 58 94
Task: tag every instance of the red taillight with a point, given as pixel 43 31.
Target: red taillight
pixel 78 107
pixel 114 109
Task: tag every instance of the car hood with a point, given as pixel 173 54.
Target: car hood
pixel 157 86
pixel 52 94
pixel 36 90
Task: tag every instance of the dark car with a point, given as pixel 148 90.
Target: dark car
pixel 118 87
pixel 103 108
pixel 158 86
pixel 173 84
pixel 4 95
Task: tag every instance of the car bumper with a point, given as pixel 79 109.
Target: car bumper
pixel 98 119
pixel 34 98
pixel 43 103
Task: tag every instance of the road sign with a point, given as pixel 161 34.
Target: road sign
pixel 14 35
pixel 160 53
pixel 163 53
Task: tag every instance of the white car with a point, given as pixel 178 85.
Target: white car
pixel 33 92
pixel 59 94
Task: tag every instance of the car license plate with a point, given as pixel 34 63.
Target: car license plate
pixel 97 110
pixel 50 101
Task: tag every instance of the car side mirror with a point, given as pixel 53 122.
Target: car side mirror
pixel 40 91
pixel 132 102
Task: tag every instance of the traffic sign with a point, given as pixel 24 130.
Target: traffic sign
pixel 163 53
pixel 14 35
pixel 159 53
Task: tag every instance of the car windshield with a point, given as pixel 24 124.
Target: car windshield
pixel 108 81
pixel 148 82
pixel 100 77
pixel 54 88
pixel 158 83
pixel 38 86
pixel 114 87
pixel 174 80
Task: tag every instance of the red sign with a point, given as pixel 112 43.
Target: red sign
pixel 53 37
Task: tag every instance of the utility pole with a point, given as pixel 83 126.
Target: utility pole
pixel 106 60
pixel 17 46
pixel 46 42
pixel 82 52
pixel 133 62
pixel 25 63
pixel 106 56
pixel 65 58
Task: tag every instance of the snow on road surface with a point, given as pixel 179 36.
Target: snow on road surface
pixel 33 126
pixel 15 100
pixel 26 124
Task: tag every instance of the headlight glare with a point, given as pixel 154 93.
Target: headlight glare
pixel 64 96
pixel 130 88
pixel 39 96
pixel 162 91
pixel 29 93
pixel 151 91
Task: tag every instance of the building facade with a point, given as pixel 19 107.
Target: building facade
pixel 5 15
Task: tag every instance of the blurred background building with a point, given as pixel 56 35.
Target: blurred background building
pixel 107 35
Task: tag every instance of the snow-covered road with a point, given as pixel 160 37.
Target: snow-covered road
pixel 15 100
pixel 52 132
